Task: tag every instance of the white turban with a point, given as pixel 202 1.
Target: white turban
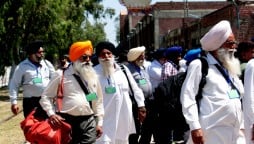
pixel 216 36
pixel 134 53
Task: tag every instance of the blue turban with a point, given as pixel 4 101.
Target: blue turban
pixel 192 54
pixel 175 50
pixel 159 53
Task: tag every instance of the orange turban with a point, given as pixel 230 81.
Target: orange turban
pixel 78 49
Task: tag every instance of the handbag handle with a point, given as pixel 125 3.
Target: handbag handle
pixel 60 94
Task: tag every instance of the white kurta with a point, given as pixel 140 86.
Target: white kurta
pixel 118 120
pixel 248 100
pixel 220 116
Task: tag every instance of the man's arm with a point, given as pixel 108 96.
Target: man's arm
pixel 14 85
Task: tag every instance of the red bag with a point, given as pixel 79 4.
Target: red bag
pixel 41 131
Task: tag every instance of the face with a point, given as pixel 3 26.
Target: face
pixel 162 60
pixel 250 54
pixel 37 57
pixel 107 60
pixel 247 55
pixel 230 43
pixel 225 55
pixel 85 59
pixel 140 60
pixel 105 54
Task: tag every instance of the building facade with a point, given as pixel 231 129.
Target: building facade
pixel 182 23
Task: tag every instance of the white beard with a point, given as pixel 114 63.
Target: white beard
pixel 229 61
pixel 140 63
pixel 108 66
pixel 86 72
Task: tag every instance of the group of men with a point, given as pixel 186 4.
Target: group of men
pixel 103 113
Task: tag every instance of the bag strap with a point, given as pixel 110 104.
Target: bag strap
pixel 204 71
pixel 84 88
pixel 124 71
pixel 60 93
pixel 226 76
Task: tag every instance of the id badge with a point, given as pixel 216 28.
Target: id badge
pixel 37 80
pixel 110 90
pixel 142 81
pixel 91 96
pixel 233 94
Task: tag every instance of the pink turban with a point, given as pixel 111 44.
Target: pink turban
pixel 216 36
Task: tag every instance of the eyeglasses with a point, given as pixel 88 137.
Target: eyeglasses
pixel 231 42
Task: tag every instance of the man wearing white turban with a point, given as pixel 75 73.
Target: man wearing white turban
pixel 218 118
pixel 136 59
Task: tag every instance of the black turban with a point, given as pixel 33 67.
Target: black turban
pixel 33 47
pixel 105 45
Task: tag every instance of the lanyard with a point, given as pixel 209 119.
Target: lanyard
pixel 138 69
pixel 109 79
pixel 226 76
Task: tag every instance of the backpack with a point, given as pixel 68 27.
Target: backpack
pixel 167 98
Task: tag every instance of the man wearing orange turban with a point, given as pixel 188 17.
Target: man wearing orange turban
pixel 80 48
pixel 80 107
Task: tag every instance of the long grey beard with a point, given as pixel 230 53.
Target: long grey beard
pixel 229 61
pixel 86 72
pixel 108 66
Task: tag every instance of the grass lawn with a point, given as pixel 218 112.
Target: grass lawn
pixel 10 131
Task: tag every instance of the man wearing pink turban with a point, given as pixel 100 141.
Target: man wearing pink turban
pixel 218 118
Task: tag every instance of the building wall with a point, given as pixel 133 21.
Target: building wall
pixel 171 24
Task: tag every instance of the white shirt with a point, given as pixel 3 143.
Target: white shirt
pixel 248 100
pixel 74 99
pixel 25 75
pixel 219 114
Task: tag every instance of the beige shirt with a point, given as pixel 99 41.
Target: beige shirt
pixel 74 100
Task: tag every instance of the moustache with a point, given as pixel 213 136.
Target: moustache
pixel 105 59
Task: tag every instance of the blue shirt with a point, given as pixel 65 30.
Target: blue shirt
pixel 32 78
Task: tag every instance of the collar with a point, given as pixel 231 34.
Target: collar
pixel 211 59
pixel 37 64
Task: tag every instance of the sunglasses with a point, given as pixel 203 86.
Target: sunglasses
pixel 85 57
pixel 231 42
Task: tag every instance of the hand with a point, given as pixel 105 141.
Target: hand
pixel 141 114
pixel 15 109
pixel 99 131
pixel 197 136
pixel 56 120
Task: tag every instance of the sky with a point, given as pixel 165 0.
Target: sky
pixel 110 28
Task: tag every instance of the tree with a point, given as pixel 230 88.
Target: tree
pixel 56 22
